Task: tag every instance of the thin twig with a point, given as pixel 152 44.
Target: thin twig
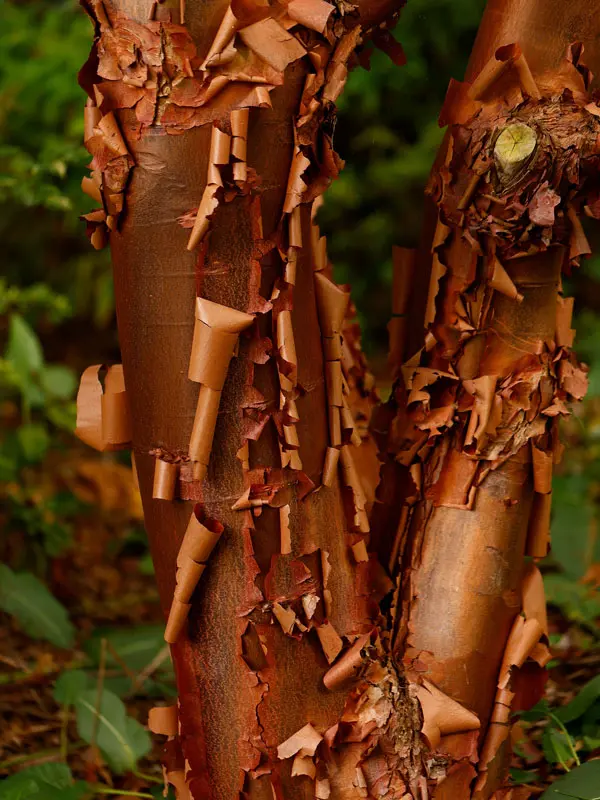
pixel 41 757
pixel 99 690
pixel 64 726
pixel 121 792
pixel 27 675
pixel 146 777
pixel 119 659
pixel 16 663
pixel 567 735
pixel 149 670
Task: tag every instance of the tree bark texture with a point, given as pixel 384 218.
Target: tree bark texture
pixel 316 657
pixel 289 589
pixel 472 432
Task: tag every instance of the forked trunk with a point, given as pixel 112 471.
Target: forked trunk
pixel 210 129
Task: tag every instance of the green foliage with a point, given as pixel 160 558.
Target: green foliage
pixel 43 782
pixel 69 685
pixel 42 158
pixel 135 647
pixel 47 522
pixel 37 300
pixel 582 783
pixel 120 738
pixel 38 612
pixel 578 602
pixel 577 708
pixel 573 513
pixel 523 776
pixel 388 133
pixel 24 374
pixel 557 746
pixel 569 731
pixel 44 395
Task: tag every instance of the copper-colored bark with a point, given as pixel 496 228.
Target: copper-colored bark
pixel 293 681
pixel 485 391
pixel 245 683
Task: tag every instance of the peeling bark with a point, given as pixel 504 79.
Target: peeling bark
pixel 471 443
pixel 222 126
pixel 327 645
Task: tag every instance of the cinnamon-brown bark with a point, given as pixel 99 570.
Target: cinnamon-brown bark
pixel 475 432
pixel 289 584
pixel 207 159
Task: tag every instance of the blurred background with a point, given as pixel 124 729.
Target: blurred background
pixel 76 589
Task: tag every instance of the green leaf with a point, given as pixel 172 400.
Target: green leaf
pixel 157 792
pixel 63 415
pixel 146 565
pixel 590 727
pixel 69 685
pixel 43 782
pixel 24 350
pixel 34 442
pixel 121 686
pixel 10 457
pixel 136 646
pixel 582 783
pixel 538 712
pixel 557 746
pixel 39 613
pixel 579 603
pixel 58 381
pixel 121 739
pixel 572 515
pixel 17 788
pixel 587 696
pixel 523 776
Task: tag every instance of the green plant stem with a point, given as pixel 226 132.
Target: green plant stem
pixel 31 757
pixel 150 778
pixel 149 670
pixel 22 676
pixel 64 741
pixel 560 725
pixel 121 792
pixel 100 689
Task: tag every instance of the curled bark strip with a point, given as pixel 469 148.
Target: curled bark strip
pixel 102 409
pixel 332 304
pixel 219 156
pixel 165 479
pixel 110 167
pixel 216 332
pixel 163 720
pixel 199 541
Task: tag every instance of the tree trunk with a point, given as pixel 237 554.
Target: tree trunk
pixel 306 665
pixel 474 436
pixel 254 628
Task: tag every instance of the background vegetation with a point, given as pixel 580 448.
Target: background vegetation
pixel 82 652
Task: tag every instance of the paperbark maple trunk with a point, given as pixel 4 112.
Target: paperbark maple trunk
pixel 474 435
pixel 289 583
pixel 280 632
